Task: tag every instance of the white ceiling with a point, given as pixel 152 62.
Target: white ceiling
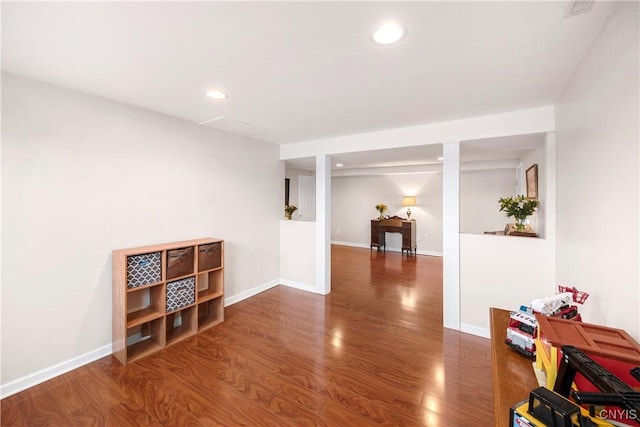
pixel 298 71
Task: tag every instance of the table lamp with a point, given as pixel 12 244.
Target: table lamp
pixel 409 201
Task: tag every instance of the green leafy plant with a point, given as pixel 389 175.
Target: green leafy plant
pixel 290 209
pixel 518 207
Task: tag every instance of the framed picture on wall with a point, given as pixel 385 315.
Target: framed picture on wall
pixel 532 182
pixel 287 184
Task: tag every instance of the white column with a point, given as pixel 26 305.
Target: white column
pixel 323 224
pixel 550 193
pixel 451 235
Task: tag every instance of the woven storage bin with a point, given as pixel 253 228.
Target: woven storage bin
pixel 180 262
pixel 181 293
pixel 209 256
pixel 144 269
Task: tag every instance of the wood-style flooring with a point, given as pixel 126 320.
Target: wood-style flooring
pixel 373 352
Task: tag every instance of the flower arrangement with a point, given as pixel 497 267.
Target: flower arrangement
pixel 518 207
pixel 289 210
pixel 381 207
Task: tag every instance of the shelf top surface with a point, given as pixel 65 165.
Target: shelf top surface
pixel 591 338
pixel 165 246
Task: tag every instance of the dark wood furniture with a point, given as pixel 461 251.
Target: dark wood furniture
pixel 394 225
pixel 513 375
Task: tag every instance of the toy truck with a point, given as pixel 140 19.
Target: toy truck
pixel 522 331
pixel 546 408
pixel 523 326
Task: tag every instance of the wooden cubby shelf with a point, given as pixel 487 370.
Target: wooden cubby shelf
pixel 142 316
pixel 210 284
pixel 181 324
pixel 210 313
pixel 165 293
pixel 145 339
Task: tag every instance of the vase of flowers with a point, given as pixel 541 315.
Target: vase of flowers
pixel 519 208
pixel 381 208
pixel 289 210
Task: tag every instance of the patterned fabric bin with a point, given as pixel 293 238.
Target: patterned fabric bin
pixel 181 293
pixel 144 269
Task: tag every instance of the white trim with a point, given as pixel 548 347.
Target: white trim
pixel 298 285
pixel 534 120
pixel 451 235
pixel 46 374
pixel 354 245
pixel 475 330
pixel 430 168
pixel 362 245
pixel 251 292
pixel 323 224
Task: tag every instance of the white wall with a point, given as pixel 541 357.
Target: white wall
pixel 501 271
pixel 538 219
pixel 480 191
pixel 297 263
pixel 354 199
pixel 598 183
pixel 83 175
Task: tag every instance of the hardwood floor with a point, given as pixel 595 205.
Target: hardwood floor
pixel 373 352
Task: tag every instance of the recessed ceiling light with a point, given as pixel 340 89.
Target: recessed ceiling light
pixel 216 94
pixel 440 158
pixel 339 165
pixel 388 33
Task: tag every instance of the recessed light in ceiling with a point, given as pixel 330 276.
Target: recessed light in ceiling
pixel 216 94
pixel 339 165
pixel 388 33
pixel 440 158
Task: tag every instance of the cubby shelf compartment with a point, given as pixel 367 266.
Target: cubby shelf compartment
pixel 141 284
pixel 145 304
pixel 145 339
pixel 210 313
pixel 181 324
pixel 210 284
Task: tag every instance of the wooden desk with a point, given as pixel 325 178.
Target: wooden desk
pixel 394 225
pixel 513 375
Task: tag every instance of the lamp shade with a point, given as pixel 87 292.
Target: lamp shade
pixel 409 201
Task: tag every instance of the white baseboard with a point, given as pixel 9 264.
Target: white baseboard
pixel 298 285
pixel 355 245
pixel 46 374
pixel 251 292
pixel 475 330
pixel 390 249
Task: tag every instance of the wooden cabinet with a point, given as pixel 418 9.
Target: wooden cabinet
pixel 165 293
pixel 409 242
pixel 378 238
pixel 406 228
